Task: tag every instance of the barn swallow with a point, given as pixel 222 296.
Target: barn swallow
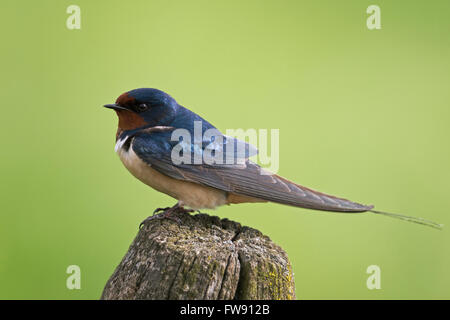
pixel 147 119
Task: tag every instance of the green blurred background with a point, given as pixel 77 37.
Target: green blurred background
pixel 362 114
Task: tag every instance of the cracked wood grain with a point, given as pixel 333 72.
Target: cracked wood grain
pixel 202 257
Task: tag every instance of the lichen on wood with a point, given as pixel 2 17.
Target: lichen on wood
pixel 202 257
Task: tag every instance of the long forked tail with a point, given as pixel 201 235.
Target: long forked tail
pixel 257 187
pixel 422 221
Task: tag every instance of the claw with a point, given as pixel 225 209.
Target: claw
pixel 160 216
pixel 167 214
pixel 173 218
pixel 160 209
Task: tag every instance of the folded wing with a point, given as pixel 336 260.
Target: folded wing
pixel 246 179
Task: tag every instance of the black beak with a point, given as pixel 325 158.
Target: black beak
pixel 114 106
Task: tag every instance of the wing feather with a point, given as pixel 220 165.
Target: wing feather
pixel 246 180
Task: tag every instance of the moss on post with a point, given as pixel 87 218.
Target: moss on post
pixel 203 257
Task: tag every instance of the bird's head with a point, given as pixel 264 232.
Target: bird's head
pixel 144 107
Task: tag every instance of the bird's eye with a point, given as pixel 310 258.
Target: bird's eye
pixel 142 107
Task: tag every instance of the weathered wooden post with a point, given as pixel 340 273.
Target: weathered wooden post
pixel 202 257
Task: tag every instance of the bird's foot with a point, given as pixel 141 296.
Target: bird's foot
pixel 167 213
pixel 160 209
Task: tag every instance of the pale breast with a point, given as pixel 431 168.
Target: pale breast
pixel 189 194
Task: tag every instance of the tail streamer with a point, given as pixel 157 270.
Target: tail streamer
pixel 422 221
